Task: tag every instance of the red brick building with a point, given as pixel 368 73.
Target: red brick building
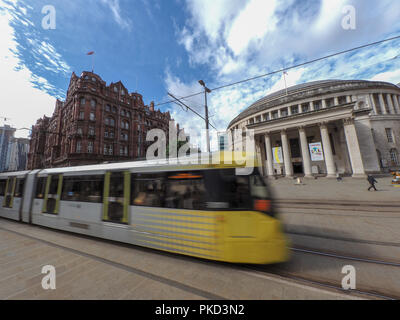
pixel 95 124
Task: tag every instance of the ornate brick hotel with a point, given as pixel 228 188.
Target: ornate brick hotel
pixel 96 123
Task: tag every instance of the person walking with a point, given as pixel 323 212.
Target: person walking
pixel 372 182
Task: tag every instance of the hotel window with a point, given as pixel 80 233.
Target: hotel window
pixel 108 108
pixel 123 112
pixel 83 101
pixel 295 109
pixel 82 115
pixel 317 105
pixel 80 131
pixel 93 104
pixel 115 89
pixel 275 115
pixel 389 134
pixel 114 109
pixel 305 107
pixel 78 147
pixel 266 117
pixel 91 131
pixel 111 134
pixel 125 125
pixel 284 112
pixel 92 116
pixel 90 147
pixel 258 119
pixel 110 121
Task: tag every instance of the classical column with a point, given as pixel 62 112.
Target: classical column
pixel 312 108
pixel 329 161
pixel 372 103
pixel 390 102
pixel 270 163
pixel 323 104
pixel 258 152
pixel 354 149
pixel 305 152
pixel 286 154
pixel 336 101
pixel 396 103
pixel 382 103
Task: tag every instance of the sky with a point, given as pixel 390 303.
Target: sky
pixel 160 46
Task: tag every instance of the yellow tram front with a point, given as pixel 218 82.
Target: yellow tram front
pixel 218 212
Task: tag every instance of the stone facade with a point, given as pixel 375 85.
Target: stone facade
pixel 96 123
pixel 356 122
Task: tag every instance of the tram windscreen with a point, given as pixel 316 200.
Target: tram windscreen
pixel 227 190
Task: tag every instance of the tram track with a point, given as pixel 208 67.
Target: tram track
pixel 323 280
pixel 282 271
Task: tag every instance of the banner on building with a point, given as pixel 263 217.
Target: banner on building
pixel 278 156
pixel 316 151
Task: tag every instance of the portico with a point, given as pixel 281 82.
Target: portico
pixel 287 144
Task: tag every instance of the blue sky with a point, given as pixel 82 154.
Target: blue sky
pixel 160 46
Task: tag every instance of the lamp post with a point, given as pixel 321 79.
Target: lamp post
pixel 206 90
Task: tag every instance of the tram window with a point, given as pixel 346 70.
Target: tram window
pixel 41 188
pixel 185 190
pixel 54 185
pixel 116 198
pixel 83 189
pixel 19 188
pixel 227 190
pixel 2 187
pixel 148 190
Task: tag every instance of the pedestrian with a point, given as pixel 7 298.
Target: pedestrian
pixel 372 182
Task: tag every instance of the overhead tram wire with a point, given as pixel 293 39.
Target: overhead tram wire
pixel 180 103
pixel 288 68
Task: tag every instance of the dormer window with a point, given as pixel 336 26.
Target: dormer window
pixel 115 89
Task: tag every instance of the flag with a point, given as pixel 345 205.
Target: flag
pixel 90 53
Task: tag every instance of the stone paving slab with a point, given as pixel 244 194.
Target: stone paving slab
pixel 323 189
pixel 84 271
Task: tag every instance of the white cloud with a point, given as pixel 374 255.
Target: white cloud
pixel 115 8
pixel 248 38
pixel 252 24
pixel 19 100
pixel 388 76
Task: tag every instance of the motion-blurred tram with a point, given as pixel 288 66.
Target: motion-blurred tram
pixel 208 211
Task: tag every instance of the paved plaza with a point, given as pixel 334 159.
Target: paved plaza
pixel 323 189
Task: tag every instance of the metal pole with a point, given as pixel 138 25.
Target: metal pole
pixel 207 122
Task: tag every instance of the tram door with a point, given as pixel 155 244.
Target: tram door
pixel 9 194
pixel 52 196
pixel 116 197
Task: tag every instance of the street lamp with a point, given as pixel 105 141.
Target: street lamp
pixel 206 90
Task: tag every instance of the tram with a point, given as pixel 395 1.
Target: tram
pixel 209 211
